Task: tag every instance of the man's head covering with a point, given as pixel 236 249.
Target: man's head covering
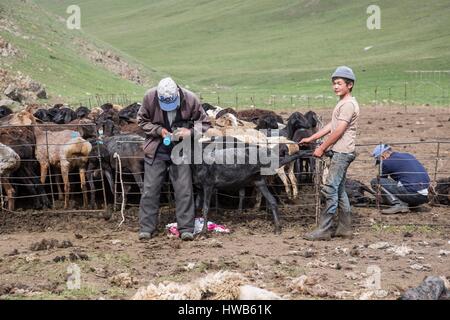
pixel 379 150
pixel 168 95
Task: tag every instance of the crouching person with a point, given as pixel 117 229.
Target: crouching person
pixel 403 182
pixel 163 107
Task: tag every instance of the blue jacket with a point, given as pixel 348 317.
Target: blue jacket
pixel 404 167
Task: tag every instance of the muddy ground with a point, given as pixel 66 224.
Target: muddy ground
pixel 37 248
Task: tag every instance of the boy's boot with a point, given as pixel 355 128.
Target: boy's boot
pixel 344 228
pixel 323 231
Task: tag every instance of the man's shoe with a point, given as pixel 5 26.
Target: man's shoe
pixel 187 236
pixel 397 208
pixel 145 236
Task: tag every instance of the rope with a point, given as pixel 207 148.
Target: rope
pixel 122 207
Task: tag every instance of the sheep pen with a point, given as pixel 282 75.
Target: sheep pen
pixel 115 265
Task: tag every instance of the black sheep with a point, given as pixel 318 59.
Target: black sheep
pixel 82 112
pixel 64 116
pixel 5 111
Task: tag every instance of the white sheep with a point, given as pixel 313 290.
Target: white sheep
pixel 222 285
pixel 9 162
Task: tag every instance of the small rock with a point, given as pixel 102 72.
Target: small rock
pixel 16 252
pixel 352 276
pixel 408 235
pixel 64 244
pixel 116 241
pixel 380 245
pixel 74 256
pixel 78 236
pixel 123 280
pixel 42 94
pixel 444 252
pixel 59 259
pixel 401 251
pixel 214 243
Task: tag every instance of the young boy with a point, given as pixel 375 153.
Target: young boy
pixel 341 142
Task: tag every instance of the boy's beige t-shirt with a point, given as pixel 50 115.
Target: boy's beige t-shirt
pixel 348 111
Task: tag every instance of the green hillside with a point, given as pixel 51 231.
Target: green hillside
pixel 275 52
pixel 51 54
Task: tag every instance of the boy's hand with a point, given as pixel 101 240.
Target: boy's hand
pixel 318 153
pixel 305 141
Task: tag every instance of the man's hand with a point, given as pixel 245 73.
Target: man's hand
pixel 164 132
pixel 318 153
pixel 182 133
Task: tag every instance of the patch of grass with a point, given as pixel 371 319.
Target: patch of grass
pixel 423 229
pixel 84 293
pixel 280 53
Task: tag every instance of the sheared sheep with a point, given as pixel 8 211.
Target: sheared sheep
pixel 223 285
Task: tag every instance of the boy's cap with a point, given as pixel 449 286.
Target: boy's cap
pixel 344 72
pixel 168 95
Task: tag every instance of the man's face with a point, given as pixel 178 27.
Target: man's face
pixel 340 87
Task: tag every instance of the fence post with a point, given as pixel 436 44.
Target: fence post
pixel 218 100
pixel 236 99
pixel 437 161
pixel 405 96
pixel 49 170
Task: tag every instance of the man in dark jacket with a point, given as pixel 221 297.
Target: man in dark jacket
pixel 408 183
pixel 168 112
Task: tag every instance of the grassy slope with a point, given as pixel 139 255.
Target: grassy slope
pixel 267 46
pixel 49 56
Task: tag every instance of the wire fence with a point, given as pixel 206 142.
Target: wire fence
pixel 52 160
pixel 428 89
pixel 434 155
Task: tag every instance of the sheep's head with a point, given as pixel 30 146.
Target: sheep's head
pixel 227 120
pixel 23 118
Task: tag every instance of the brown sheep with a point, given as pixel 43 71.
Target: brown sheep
pixel 64 149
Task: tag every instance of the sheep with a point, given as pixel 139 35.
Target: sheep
pixel 442 192
pixel 229 125
pixel 129 113
pixel 5 111
pixel 22 141
pixel 298 127
pixel 9 162
pixel 82 112
pixel 222 285
pixel 253 115
pixel 212 174
pixel 64 116
pixel 65 149
pixel 43 115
